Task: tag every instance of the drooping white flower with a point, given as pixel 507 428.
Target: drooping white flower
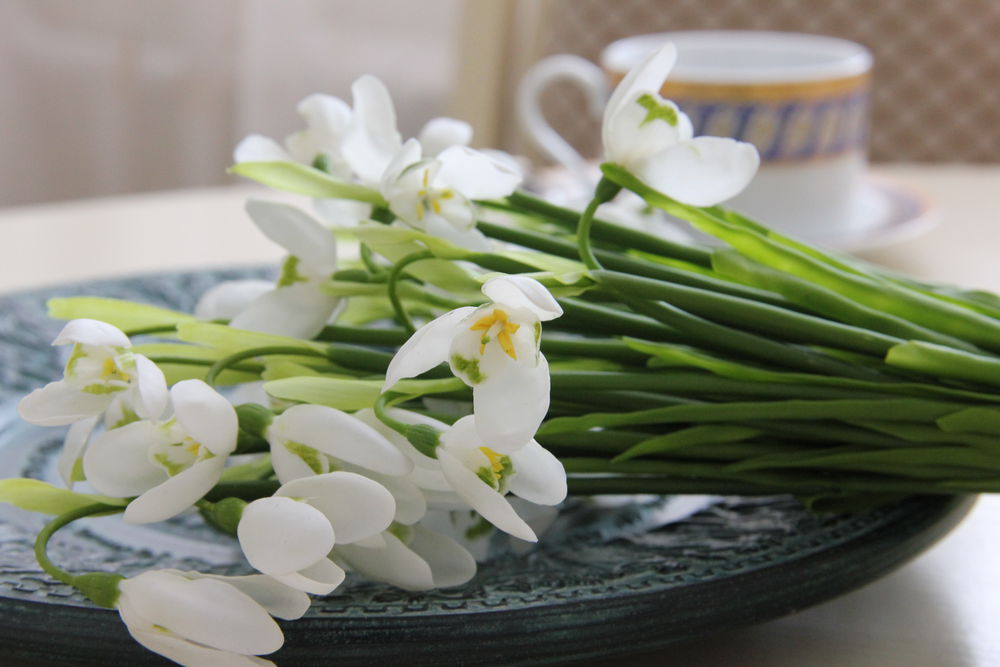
pixel 326 118
pixel 101 367
pixel 289 535
pixel 413 558
pixel 435 194
pixel 481 476
pixel 170 464
pixel 297 306
pixel 200 620
pixel 495 349
pixel 653 139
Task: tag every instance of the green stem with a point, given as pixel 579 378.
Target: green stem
pixel 604 192
pixel 222 364
pixel 46 533
pixel 368 258
pixel 402 316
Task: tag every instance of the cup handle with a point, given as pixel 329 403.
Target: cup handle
pixel 579 71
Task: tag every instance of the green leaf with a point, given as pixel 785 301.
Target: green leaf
pixel 38 496
pixel 126 315
pixel 689 437
pixel 349 394
pixel 303 180
pixel 234 340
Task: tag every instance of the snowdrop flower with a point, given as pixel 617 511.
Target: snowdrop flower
pixel 413 558
pixel 101 367
pixel 195 619
pixel 495 349
pixel 290 534
pixel 169 465
pixel 652 138
pixel 297 306
pixel 327 119
pixel 435 194
pixel 475 534
pixel 481 476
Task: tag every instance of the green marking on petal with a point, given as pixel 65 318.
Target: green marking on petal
pixel 172 467
pixel 128 416
pixel 656 110
pixel 468 368
pixel 481 528
pixel 77 354
pixel 538 333
pixel 100 389
pixel 400 531
pixel 290 272
pixel 486 474
pixel 310 456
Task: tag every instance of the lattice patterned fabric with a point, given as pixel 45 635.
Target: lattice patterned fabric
pixel 937 63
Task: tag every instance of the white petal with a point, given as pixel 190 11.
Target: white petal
pixel 483 498
pixel 207 611
pixel 475 174
pixel 150 389
pixel 185 652
pixel 205 415
pixel 280 535
pixel 116 463
pixel 523 293
pixel 440 133
pixel 296 232
pixel 702 171
pixel 59 403
pixel 176 494
pixel 451 563
pixel 91 332
pixel 288 466
pixel 410 503
pixel 510 405
pixel 342 212
pixel 632 136
pixel 393 564
pixel 225 300
pixel 257 148
pixel 539 477
pixel 372 138
pixel 648 76
pixel 341 436
pixel 73 445
pixel 470 239
pixel 426 348
pixel 299 311
pixel 320 578
pixel 393 182
pixel 275 597
pixel 355 506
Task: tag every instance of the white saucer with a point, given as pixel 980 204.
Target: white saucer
pixel 886 212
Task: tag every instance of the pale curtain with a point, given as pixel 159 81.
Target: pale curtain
pixel 112 96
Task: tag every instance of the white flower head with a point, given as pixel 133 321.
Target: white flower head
pixel 435 194
pixel 169 464
pixel 652 138
pixel 482 476
pixel 289 535
pixel 101 367
pixel 311 440
pixel 197 619
pixel 327 119
pixel 297 306
pixel 496 350
pixel 413 558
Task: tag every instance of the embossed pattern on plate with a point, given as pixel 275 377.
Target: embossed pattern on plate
pixel 609 578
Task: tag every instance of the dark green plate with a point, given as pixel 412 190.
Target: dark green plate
pixel 608 579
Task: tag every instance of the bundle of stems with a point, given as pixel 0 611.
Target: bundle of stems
pixel 759 365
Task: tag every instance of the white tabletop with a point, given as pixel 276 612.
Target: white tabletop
pixel 941 609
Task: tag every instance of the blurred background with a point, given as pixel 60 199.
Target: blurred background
pixel 117 96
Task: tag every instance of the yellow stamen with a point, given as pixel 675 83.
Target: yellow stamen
pixel 505 328
pixel 495 459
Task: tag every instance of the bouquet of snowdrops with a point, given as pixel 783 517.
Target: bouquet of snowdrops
pixel 441 345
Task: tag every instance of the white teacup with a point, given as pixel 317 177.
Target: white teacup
pixel 803 100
